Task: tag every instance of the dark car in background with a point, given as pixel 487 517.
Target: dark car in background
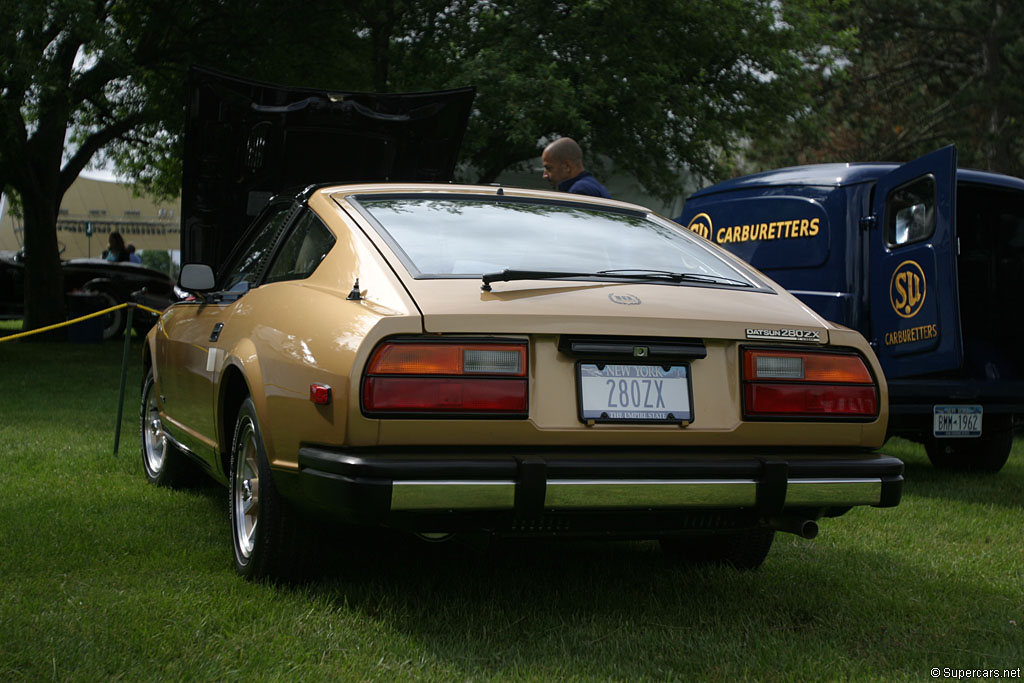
pixel 92 285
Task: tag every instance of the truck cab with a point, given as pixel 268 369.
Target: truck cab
pixel 922 259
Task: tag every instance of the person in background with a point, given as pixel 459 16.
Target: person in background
pixel 563 168
pixel 116 250
pixel 132 256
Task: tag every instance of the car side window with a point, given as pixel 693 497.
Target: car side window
pixel 911 212
pixel 302 251
pixel 242 273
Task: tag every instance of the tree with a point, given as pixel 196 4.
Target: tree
pixel 158 259
pixel 926 73
pixel 654 86
pixel 88 79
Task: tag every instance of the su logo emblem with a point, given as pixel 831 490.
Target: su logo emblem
pixel 907 289
pixel 701 224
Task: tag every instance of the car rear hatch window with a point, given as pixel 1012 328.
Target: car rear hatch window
pixel 471 237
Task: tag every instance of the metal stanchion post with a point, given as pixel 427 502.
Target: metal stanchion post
pixel 124 374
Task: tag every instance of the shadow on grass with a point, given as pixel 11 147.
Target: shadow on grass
pixel 529 605
pixel 590 609
pixel 841 606
pixel 1004 488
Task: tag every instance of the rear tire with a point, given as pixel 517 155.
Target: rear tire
pixel 985 454
pixel 267 536
pixel 163 463
pixel 745 549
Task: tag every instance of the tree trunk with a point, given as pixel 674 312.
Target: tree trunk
pixel 44 281
pixel 41 191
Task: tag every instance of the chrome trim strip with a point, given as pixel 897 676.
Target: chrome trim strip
pixel 195 445
pixel 643 493
pixel 179 445
pixel 833 492
pixel 453 495
pixel 189 452
pixel 569 494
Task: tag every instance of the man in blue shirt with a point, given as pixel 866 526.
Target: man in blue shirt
pixel 563 168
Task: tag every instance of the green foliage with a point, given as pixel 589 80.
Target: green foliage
pixel 159 260
pixel 106 577
pixel 110 78
pixel 262 39
pixel 927 73
pixel 654 87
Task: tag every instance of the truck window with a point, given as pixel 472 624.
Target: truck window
pixel 911 212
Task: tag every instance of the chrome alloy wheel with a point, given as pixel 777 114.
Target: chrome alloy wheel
pixel 246 489
pixel 155 441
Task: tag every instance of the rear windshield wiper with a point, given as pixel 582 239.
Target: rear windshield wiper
pixel 508 275
pixel 640 273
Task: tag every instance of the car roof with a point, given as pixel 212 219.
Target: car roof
pixel 454 189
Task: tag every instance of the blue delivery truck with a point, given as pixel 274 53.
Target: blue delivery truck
pixel 924 259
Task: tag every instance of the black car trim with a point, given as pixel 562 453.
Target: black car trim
pixel 596 347
pixel 371 486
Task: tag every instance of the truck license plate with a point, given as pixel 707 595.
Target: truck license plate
pixel 634 393
pixel 960 421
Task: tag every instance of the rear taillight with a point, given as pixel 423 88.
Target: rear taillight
pixel 446 378
pixel 807 384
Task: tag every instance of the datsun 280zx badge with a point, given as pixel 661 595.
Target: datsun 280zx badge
pixel 784 334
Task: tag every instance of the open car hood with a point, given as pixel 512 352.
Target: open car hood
pixel 246 141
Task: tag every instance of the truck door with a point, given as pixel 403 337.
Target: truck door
pixel 915 313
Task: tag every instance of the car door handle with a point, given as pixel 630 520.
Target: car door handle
pixel 215 335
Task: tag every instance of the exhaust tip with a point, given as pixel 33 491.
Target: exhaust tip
pixel 808 529
pixel 804 528
pixel 434 537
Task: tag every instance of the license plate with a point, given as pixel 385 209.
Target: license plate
pixel 634 393
pixel 956 421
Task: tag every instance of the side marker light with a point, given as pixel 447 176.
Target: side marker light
pixel 320 394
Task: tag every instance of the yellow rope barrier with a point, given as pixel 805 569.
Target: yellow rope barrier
pixel 19 335
pixel 147 308
pixel 131 306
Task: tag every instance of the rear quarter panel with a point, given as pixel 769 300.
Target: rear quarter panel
pixel 284 336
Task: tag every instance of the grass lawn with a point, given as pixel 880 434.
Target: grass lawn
pixel 105 577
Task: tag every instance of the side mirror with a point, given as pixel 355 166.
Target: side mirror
pixel 197 277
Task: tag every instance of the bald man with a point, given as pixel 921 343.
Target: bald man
pixel 563 168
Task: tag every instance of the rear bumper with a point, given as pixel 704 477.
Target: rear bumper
pixel 393 488
pixel 912 403
pixel 909 398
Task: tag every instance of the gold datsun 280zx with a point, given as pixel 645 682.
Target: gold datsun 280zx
pixel 442 359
